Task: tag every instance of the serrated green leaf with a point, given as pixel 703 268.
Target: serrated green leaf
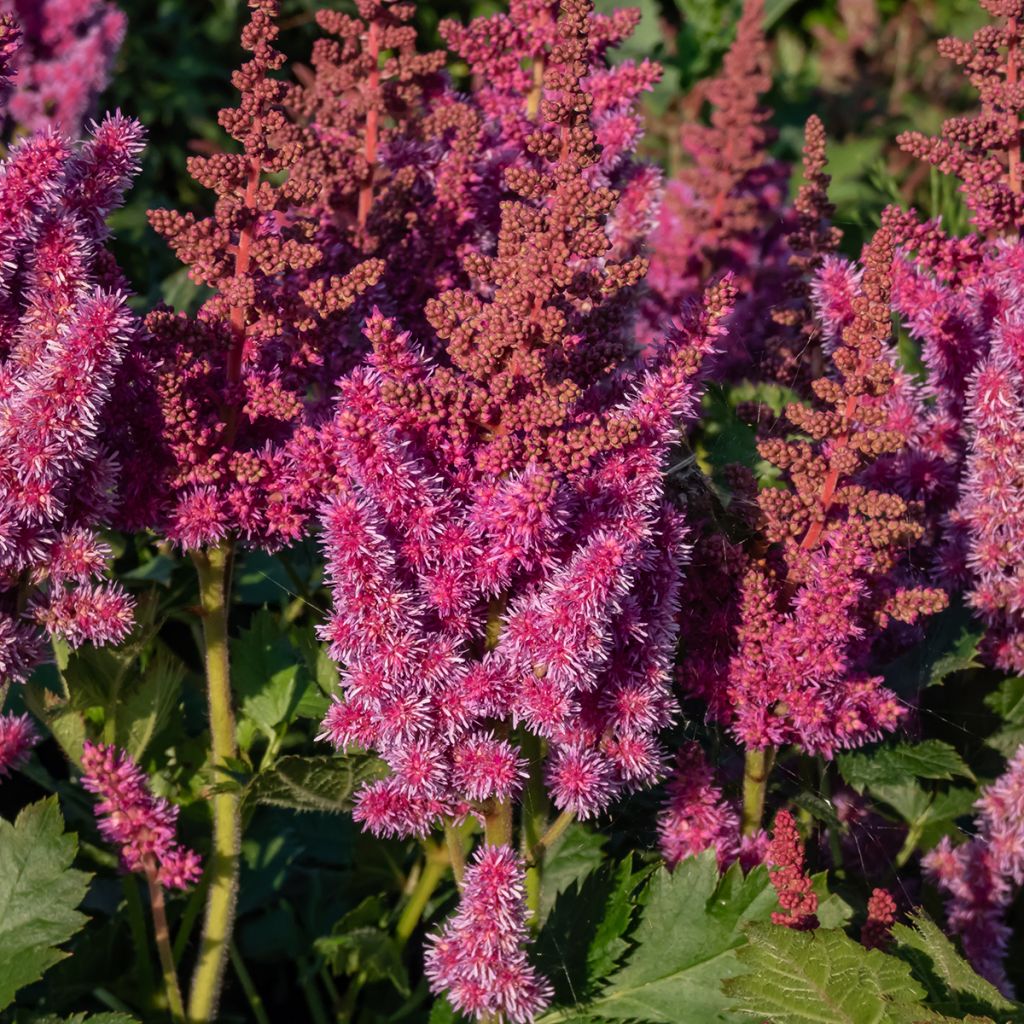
pixel 150 706
pixel 684 946
pixel 321 783
pixel 265 673
pixel 952 984
pixel 822 977
pixel 39 894
pixel 898 764
pixel 1008 702
pixel 582 940
pixel 576 853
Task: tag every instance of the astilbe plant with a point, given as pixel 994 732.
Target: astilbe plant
pixel 64 62
pixel 794 664
pixel 65 327
pixel 502 565
pixel 724 209
pixel 980 876
pixel 142 827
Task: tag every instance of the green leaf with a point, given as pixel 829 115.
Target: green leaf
pixel 582 940
pixel 265 673
pixel 1008 703
pixel 150 707
pixel 685 945
pixel 895 765
pixel 321 783
pixel 822 977
pixel 359 945
pixel 952 984
pixel 39 894
pixel 576 853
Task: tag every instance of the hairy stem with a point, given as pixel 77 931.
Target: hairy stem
pixel 498 823
pixel 456 851
pixel 435 865
pixel 213 566
pixel 163 942
pixel 757 767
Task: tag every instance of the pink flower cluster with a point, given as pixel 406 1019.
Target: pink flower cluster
pixel 785 858
pixel 980 877
pixel 17 738
pixel 500 555
pixel 65 329
pixel 142 825
pixel 479 957
pixel 64 63
pixel 696 816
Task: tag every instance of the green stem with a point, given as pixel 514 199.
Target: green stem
pixel 554 832
pixel 213 567
pixel 434 866
pixel 245 979
pixel 317 1010
pixel 456 851
pixel 163 942
pixel 137 926
pixel 756 769
pixel 498 824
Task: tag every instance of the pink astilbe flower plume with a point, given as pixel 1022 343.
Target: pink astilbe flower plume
pixel 876 932
pixel 981 876
pixel 785 858
pixel 479 957
pixel 141 825
pixel 66 56
pixel 723 211
pixel 992 495
pixel 226 394
pixel 500 555
pixel 983 150
pixel 65 331
pixel 696 816
pixel 18 736
pixel 834 576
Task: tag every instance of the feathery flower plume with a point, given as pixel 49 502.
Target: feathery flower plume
pixel 66 327
pixel 18 736
pixel 500 556
pixel 833 577
pixel 696 816
pixel 785 860
pixel 980 877
pixel 984 150
pixel 724 211
pixel 245 379
pixel 131 818
pixel 479 957
pixel 66 56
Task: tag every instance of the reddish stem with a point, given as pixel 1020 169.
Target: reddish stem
pixel 1012 74
pixel 372 127
pixel 237 316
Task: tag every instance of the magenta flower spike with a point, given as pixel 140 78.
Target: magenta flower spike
pixel 67 53
pixel 479 956
pixel 981 876
pixel 131 818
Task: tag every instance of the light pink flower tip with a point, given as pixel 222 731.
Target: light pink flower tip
pixel 696 816
pixel 479 957
pixel 18 736
pixel 980 877
pixel 131 817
